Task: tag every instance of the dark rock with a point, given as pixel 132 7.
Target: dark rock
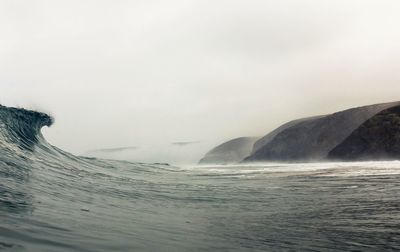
pixel 377 139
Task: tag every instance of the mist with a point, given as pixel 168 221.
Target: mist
pixel 151 73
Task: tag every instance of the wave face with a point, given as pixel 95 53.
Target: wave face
pixel 51 200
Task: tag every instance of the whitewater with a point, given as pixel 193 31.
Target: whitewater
pixel 51 200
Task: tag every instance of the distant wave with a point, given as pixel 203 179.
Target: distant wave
pixel 116 149
pixel 184 143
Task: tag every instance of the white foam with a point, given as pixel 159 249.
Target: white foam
pixel 320 169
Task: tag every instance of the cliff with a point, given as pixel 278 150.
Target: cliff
pixel 230 152
pixel 378 139
pixel 314 138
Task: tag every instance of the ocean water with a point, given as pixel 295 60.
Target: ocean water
pixel 53 201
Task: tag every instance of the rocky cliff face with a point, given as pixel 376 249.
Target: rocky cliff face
pixel 230 152
pixel 376 139
pixel 268 138
pixel 314 138
pixel 363 133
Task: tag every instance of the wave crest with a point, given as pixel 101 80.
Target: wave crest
pixel 22 127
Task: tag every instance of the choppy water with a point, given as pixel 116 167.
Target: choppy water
pixel 53 201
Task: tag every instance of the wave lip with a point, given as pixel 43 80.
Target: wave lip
pixel 22 127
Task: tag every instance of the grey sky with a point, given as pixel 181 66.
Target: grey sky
pixel 124 73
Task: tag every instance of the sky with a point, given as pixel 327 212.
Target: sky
pixel 118 73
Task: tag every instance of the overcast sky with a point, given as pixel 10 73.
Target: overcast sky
pixel 123 73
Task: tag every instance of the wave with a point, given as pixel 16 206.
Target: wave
pixel 25 153
pixel 22 128
pixel 21 139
